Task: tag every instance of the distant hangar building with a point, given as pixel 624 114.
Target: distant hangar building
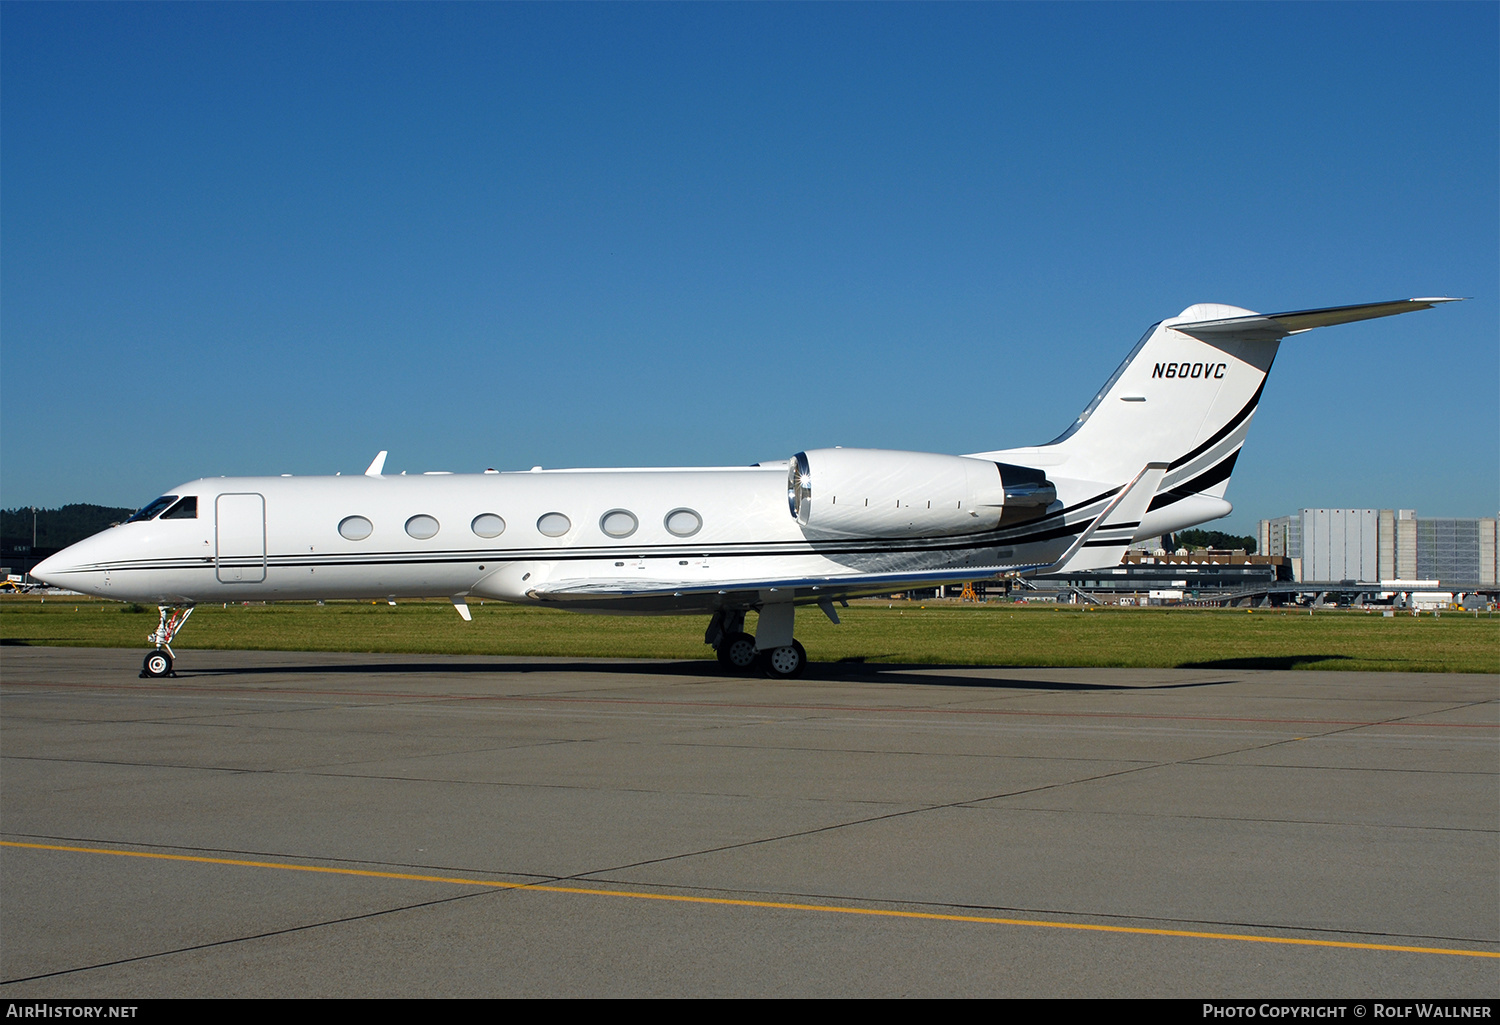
pixel 1336 545
pixel 1313 553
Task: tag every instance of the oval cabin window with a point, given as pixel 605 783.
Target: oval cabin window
pixel 422 526
pixel 554 524
pixel 355 528
pixel 488 525
pixel 618 523
pixel 684 522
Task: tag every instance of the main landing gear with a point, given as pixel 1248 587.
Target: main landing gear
pixel 737 652
pixel 159 662
pixel 773 651
pixel 784 662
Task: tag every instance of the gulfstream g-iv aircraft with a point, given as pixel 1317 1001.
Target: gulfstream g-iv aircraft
pixel 1152 453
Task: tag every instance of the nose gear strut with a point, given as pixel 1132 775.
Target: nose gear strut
pixel 159 662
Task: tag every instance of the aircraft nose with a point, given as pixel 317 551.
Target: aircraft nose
pixel 71 569
pixel 50 570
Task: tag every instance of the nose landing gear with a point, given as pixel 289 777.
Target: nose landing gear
pixel 159 662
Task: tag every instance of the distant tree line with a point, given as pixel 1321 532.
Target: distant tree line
pixel 58 528
pixel 1191 539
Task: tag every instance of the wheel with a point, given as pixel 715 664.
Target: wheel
pixel 784 663
pixel 158 663
pixel 737 652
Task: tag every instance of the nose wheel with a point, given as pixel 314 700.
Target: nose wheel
pixel 159 662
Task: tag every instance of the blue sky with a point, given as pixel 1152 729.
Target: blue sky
pixel 247 239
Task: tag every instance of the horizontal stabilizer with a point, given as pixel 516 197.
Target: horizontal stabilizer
pixel 1271 327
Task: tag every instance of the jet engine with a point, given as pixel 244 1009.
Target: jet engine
pixel 862 492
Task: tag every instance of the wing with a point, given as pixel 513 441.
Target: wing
pixel 798 590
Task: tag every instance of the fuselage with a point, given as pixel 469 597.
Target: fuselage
pixel 504 536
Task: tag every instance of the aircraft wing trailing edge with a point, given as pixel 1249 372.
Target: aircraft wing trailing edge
pixel 802 590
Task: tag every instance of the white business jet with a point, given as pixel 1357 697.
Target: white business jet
pixel 1152 453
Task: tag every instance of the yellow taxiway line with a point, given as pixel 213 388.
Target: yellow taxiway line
pixel 767 904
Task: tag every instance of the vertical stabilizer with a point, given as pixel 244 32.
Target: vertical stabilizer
pixel 1176 397
pixel 1186 394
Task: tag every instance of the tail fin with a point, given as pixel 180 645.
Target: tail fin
pixel 1186 394
pixel 1178 396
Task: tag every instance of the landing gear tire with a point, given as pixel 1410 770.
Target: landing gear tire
pixel 737 653
pixel 157 664
pixel 784 663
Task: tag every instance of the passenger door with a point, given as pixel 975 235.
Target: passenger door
pixel 240 538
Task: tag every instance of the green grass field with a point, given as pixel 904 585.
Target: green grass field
pixel 943 633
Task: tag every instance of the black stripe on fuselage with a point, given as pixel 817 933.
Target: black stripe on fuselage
pixel 1223 432
pixel 1219 471
pixel 976 543
pixel 1022 534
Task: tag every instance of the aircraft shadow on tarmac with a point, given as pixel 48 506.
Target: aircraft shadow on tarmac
pixel 848 671
pixel 1270 662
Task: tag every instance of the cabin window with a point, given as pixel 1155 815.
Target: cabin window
pixel 187 509
pixel 154 509
pixel 355 528
pixel 488 525
pixel 422 526
pixel 683 522
pixel 618 523
pixel 554 524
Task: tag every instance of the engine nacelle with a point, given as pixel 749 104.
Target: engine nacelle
pixel 863 492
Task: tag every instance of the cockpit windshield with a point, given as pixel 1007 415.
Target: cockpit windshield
pixel 154 509
pixel 187 509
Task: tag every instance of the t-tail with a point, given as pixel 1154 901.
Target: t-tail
pixel 1185 396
